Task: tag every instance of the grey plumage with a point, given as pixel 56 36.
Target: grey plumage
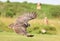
pixel 22 23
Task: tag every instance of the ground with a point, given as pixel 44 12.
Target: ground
pixel 9 36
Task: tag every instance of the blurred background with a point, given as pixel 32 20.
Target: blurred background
pixel 48 18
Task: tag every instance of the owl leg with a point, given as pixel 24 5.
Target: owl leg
pixel 20 30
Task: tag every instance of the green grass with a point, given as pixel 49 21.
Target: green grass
pixel 8 36
pixel 35 25
pixel 14 9
pixel 12 36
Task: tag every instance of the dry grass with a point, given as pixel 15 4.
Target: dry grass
pixel 52 22
pixel 8 36
pixel 6 20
